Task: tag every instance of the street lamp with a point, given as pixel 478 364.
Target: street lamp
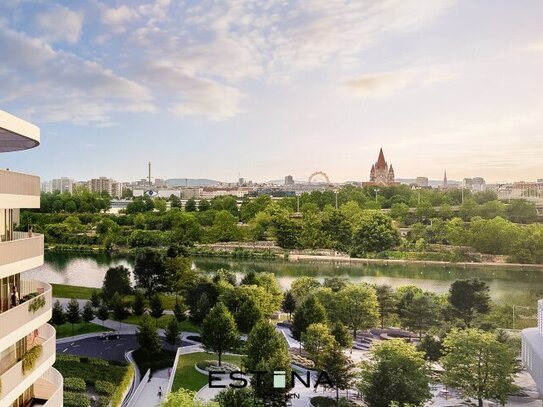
pixel 376 191
pixel 335 192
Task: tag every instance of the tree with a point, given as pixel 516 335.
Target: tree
pixel 156 306
pixel 476 363
pixel 244 397
pixel 139 305
pixel 521 211
pixel 342 335
pixel 339 367
pixel 185 398
pixel 375 233
pixel 224 227
pixel 178 273
pixel 149 271
pixel 219 331
pixel 431 346
pixel 309 312
pixel 203 205
pixel 422 313
pixel 172 331
pixel 387 302
pixel 468 299
pixel 248 315
pixel 118 307
pixel 266 350
pixel 302 287
pixel 73 314
pixel 103 312
pixel 190 206
pixel 88 312
pixel 396 373
pixel 359 307
pixel 147 337
pixel 95 299
pixel 180 309
pixel 117 279
pixel 58 317
pixel 315 339
pixel 289 304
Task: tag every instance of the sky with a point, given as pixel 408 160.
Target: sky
pixel 266 88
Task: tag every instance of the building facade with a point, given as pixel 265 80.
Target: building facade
pixel 27 341
pixel 381 173
pixel 532 349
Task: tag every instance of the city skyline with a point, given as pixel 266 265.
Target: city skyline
pixel 266 90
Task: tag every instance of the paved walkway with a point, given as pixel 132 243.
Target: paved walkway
pixel 149 395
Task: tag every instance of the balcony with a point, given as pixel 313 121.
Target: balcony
pixel 24 318
pixel 19 190
pixel 49 388
pixel 20 254
pixel 15 381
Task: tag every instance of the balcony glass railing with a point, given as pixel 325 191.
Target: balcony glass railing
pixel 25 312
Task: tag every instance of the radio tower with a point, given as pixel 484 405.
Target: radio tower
pixel 150 183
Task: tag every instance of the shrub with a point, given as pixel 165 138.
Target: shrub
pixel 104 401
pixel 30 358
pixel 104 388
pixel 36 304
pixel 98 362
pixel 75 399
pixel 68 358
pixel 74 384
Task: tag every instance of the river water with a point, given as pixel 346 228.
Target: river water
pixel 505 284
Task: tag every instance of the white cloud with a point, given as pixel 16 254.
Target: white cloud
pixel 60 24
pixel 387 83
pixel 62 86
pixel 119 17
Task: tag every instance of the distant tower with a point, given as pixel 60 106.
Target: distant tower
pixel 445 179
pixel 381 173
pixel 150 183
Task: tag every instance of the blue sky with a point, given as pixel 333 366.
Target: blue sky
pixel 268 88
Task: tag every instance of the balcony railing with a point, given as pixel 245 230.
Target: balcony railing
pixel 16 183
pixel 14 376
pixel 23 313
pixel 21 247
pixel 49 387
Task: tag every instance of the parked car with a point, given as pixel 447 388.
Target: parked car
pixel 109 335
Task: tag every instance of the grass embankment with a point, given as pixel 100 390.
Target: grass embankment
pixel 84 293
pixel 81 328
pixel 163 360
pixel 187 377
pixel 84 377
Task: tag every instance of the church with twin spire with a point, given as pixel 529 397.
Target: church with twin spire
pixel 381 173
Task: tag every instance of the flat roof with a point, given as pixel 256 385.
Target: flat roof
pixel 17 134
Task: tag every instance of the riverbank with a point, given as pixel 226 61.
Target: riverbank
pixel 387 262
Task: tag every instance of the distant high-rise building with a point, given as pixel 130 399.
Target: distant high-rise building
pixel 63 184
pixel 467 183
pixel 421 181
pixel 381 173
pixel 99 185
pixel 159 182
pixel 478 185
pixel 241 181
pixel 289 180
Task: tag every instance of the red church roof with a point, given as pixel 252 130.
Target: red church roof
pixel 381 163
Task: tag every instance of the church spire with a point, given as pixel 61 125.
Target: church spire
pixel 381 163
pixel 445 179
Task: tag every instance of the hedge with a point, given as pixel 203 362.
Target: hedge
pixel 117 397
pixel 75 399
pixel 104 401
pixel 74 384
pixel 104 388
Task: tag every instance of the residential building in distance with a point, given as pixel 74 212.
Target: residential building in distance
pixel 532 349
pixel 289 180
pixel 421 181
pixel 63 184
pixel 105 184
pixel 381 173
pixel 478 184
pixel 25 305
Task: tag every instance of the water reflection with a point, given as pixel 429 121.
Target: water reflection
pixel 89 270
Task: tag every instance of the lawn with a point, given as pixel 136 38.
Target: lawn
pixel 73 291
pixel 82 328
pixel 162 322
pixel 186 375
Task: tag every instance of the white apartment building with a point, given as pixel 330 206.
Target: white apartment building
pixel 27 341
pixel 532 349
